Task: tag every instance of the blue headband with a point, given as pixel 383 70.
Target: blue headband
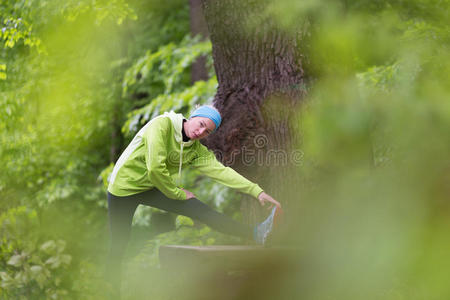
pixel 208 112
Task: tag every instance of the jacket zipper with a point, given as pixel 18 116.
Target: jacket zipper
pixel 181 163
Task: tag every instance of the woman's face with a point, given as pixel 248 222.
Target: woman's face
pixel 199 127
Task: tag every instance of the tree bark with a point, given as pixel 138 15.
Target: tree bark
pixel 260 76
pixel 116 136
pixel 198 27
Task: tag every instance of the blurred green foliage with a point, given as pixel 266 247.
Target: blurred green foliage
pixel 32 266
pixel 375 184
pixel 370 213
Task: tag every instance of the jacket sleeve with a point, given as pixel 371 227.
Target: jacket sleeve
pixel 207 164
pixel 155 158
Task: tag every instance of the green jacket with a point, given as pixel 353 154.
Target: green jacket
pixel 157 152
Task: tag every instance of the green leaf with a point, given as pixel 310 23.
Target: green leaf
pixel 60 245
pixel 53 262
pixel 36 269
pixel 183 221
pixel 49 247
pixel 6 280
pixel 66 259
pixel 16 260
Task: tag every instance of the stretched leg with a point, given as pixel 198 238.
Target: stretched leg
pixel 194 209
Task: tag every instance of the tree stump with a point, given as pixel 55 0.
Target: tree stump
pixel 225 272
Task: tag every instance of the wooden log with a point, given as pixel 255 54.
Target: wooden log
pixel 225 258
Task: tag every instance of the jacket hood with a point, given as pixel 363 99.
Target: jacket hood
pixel 177 123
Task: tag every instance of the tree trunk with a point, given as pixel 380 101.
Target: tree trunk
pixel 198 27
pixel 260 76
pixel 116 136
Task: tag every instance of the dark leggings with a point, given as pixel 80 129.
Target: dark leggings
pixel 121 211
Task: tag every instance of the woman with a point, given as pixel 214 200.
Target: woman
pixel 143 175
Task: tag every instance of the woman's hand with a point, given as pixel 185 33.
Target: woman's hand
pixel 189 195
pixel 263 198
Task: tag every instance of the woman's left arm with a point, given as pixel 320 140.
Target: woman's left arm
pixel 207 164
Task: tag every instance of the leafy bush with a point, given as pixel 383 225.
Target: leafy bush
pixel 33 265
pixel 165 70
pixel 31 268
pixel 163 78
